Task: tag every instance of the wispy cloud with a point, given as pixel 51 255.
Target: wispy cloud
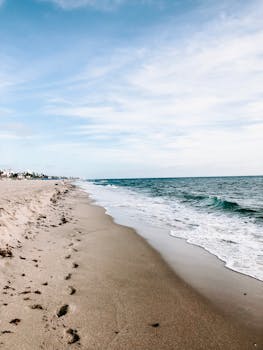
pixel 181 103
pixel 98 4
pixel 174 100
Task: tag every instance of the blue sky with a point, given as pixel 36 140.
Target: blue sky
pixel 131 88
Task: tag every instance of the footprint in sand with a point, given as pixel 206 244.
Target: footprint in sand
pixel 68 277
pixel 26 292
pixel 72 290
pixel 155 325
pixel 73 336
pixel 6 332
pixel 36 307
pixel 15 321
pixel 6 253
pixel 63 310
pixel 75 265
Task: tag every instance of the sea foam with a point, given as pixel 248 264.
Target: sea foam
pixel 226 230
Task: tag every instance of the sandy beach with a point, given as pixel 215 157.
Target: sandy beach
pixel 71 278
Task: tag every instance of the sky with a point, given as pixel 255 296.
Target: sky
pixel 132 88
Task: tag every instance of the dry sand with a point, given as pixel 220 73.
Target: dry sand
pixel 77 280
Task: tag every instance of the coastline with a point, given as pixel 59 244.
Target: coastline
pixel 240 296
pixel 117 291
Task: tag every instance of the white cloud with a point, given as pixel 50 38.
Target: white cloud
pixel 191 106
pixel 164 105
pixel 15 130
pixel 75 4
pixel 13 73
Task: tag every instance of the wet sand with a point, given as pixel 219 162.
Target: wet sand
pixel 76 280
pixel 240 297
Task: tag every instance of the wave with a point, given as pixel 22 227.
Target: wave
pixel 202 200
pixel 222 204
pixel 235 239
pixel 194 197
pixel 230 206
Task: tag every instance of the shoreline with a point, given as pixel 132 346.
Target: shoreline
pixel 102 283
pixel 241 295
pixel 226 228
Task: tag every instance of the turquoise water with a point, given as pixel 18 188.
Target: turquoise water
pixel 224 215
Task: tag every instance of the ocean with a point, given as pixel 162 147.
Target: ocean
pixel 223 215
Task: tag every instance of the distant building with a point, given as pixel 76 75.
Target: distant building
pixel 27 175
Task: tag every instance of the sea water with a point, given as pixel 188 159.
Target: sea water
pixel 224 215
